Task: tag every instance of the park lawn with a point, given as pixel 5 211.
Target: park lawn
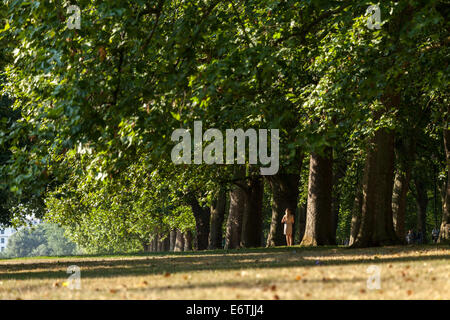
pixel 413 272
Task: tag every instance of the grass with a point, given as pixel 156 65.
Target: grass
pixel 412 272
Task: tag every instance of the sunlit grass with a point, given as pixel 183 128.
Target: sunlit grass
pixel 416 272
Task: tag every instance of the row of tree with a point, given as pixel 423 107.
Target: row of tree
pixel 364 110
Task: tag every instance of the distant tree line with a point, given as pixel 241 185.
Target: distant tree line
pixel 44 239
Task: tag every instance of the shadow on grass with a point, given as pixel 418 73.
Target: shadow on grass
pixel 220 260
pixel 264 285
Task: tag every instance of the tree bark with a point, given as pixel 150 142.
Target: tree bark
pixel 444 233
pixel 201 216
pixel 302 220
pixel 356 215
pixel 405 154
pixel 252 218
pixel 188 241
pixel 179 242
pixel 155 243
pixel 401 186
pixel 377 226
pixel 285 196
pixel 235 215
pixel 173 237
pixel 166 245
pixel 217 216
pixel 160 243
pixel 319 219
pixel 150 246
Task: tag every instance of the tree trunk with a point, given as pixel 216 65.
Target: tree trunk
pixel 252 219
pixel 217 216
pixel 155 243
pixel 422 204
pixel 235 215
pixel 152 245
pixel 302 220
pixel 405 155
pixel 173 237
pixel 377 228
pixel 202 216
pixel 285 195
pixel 401 186
pixel 319 219
pixel 188 241
pixel 179 242
pixel 160 243
pixel 166 243
pixel 444 233
pixel 146 246
pixel 356 216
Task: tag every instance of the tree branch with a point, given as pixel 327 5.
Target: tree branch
pixel 158 12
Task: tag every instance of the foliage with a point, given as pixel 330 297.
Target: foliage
pixel 41 240
pixel 88 135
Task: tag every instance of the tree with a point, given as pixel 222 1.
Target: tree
pixel 383 91
pixel 202 217
pixel 444 235
pixel 217 217
pixel 41 240
pixel 319 216
pixel 405 153
pixel 252 219
pixel 90 140
pixel 234 221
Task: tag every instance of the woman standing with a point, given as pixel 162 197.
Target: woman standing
pixel 288 220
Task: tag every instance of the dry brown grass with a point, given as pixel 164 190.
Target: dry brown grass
pixel 418 272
